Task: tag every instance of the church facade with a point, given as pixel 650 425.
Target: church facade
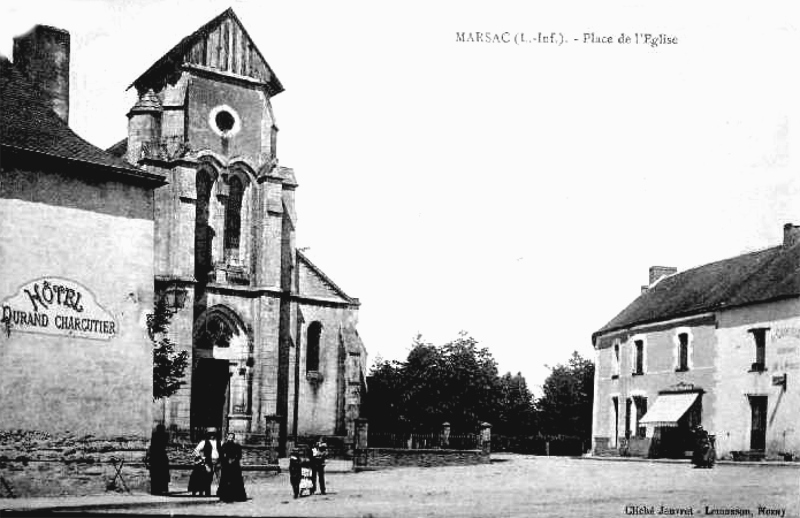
pixel 271 338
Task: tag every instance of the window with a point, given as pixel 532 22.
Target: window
pixel 273 142
pixel 615 373
pixel 638 358
pixel 760 337
pixel 641 409
pixel 683 352
pixel 203 234
pixel 312 346
pixel 224 120
pixel 233 218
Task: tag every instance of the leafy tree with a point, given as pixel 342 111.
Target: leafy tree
pixel 384 400
pixel 565 407
pixel 516 413
pixel 169 365
pixel 457 382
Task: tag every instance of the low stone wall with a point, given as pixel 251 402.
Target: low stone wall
pixel 638 447
pixel 633 447
pixel 182 455
pixel 378 458
pixel 40 464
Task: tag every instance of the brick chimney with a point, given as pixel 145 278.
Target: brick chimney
pixel 791 235
pixel 42 54
pixel 657 272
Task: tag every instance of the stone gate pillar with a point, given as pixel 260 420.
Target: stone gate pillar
pixel 445 442
pixel 361 442
pixel 486 437
pixel 272 432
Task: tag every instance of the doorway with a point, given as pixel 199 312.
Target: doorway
pixel 758 419
pixel 210 387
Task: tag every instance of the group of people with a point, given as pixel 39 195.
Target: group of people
pixel 211 458
pixel 306 468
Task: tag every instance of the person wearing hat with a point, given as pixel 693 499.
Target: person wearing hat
pixel 206 456
pixel 319 453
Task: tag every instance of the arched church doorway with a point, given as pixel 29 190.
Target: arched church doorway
pixel 221 377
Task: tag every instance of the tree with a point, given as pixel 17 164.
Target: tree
pixel 457 382
pixel 169 365
pixel 516 413
pixel 565 408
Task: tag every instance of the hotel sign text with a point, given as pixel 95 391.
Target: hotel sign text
pixel 57 306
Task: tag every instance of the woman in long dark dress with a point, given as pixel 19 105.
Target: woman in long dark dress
pixel 231 483
pixel 158 462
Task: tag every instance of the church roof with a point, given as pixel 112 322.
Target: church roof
pixel 28 123
pixel 221 45
pixel 321 285
pixel 752 278
pixel 120 149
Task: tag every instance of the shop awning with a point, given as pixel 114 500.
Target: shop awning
pixel 668 408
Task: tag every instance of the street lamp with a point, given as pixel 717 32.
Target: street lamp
pixel 175 297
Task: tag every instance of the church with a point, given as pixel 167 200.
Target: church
pixel 272 340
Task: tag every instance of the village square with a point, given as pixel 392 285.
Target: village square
pixel 168 348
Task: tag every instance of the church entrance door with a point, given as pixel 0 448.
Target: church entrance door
pixel 210 387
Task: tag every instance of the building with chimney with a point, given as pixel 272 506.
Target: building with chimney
pixel 272 339
pixel 75 357
pixel 716 346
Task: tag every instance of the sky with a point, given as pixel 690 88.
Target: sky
pixel 518 192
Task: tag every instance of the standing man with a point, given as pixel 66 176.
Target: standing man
pixel 207 454
pixel 318 455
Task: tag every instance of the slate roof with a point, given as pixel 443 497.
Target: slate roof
pixel 751 278
pixel 28 123
pixel 120 149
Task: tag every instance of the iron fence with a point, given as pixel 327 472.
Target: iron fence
pixel 421 441
pixel 556 445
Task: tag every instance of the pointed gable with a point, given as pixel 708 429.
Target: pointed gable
pixel 222 45
pixel 314 284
